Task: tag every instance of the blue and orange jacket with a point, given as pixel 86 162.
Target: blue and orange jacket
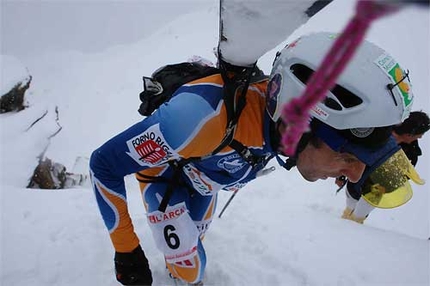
pixel 191 124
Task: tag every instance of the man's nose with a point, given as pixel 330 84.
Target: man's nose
pixel 355 171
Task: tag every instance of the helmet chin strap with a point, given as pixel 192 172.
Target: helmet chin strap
pixel 276 131
pixel 301 145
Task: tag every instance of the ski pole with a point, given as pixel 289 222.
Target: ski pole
pixel 259 174
pixel 227 203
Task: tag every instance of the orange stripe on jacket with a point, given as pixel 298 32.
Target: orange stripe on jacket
pixel 212 132
pixel 153 172
pixel 123 237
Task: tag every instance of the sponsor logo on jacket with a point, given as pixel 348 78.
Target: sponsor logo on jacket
pixel 150 148
pixel 201 183
pixel 231 163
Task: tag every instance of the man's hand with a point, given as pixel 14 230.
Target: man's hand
pixel 132 268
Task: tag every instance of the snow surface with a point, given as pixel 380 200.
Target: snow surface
pixel 16 73
pixel 279 230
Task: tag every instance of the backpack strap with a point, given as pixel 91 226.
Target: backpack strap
pixel 235 78
pixel 246 154
pixel 174 181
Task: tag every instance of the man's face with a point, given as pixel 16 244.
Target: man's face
pixel 322 162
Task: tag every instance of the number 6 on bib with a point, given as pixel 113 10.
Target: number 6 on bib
pixel 174 232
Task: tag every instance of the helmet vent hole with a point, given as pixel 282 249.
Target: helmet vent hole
pixel 333 104
pixel 345 98
pixel 302 72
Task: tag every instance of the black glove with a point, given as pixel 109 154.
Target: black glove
pixel 132 268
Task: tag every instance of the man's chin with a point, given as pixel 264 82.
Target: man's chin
pixel 309 178
pixel 308 175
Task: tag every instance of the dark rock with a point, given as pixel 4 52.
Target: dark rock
pixel 51 175
pixel 14 99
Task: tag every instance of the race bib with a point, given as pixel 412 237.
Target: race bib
pixel 174 232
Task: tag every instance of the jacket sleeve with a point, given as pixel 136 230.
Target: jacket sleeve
pixel 169 133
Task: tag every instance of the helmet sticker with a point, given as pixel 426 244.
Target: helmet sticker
pixel 292 44
pixel 318 112
pixel 399 79
pixel 386 62
pixel 273 90
pixel 361 132
pixel 403 84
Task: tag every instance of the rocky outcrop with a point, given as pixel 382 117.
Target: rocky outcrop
pixel 15 81
pixel 48 175
pixel 44 126
pixel 53 175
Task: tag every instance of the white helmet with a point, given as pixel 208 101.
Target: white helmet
pixel 372 91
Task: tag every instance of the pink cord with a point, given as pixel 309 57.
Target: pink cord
pixel 296 113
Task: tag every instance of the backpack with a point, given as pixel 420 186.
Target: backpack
pixel 163 83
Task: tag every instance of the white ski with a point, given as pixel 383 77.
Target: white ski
pixel 249 29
